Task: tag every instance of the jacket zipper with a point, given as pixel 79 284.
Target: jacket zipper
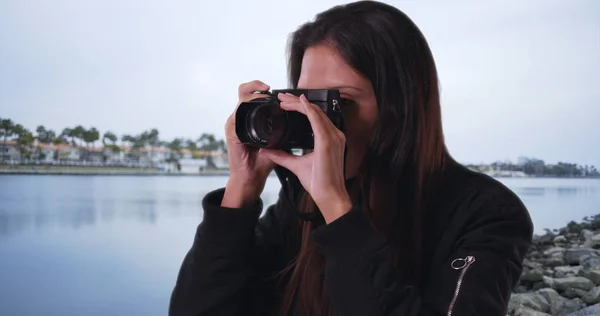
pixel 459 264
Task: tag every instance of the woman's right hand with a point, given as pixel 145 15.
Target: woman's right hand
pixel 248 170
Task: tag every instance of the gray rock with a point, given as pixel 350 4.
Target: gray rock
pixel 593 275
pixel 532 300
pixel 587 234
pixel 592 242
pixel 592 297
pixel 526 311
pixel 574 293
pixel 540 285
pixel 535 254
pixel 573 235
pixel 567 271
pixel 573 255
pixel 548 282
pixel 588 311
pixel 555 252
pixel 552 261
pixel 532 265
pixel 591 261
pixel 560 239
pixel 563 284
pixel 532 275
pixel 560 305
pixel 543 240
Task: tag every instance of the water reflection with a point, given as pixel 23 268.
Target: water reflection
pixel 33 208
pixel 562 191
pixel 114 245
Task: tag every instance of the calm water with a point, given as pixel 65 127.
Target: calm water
pixel 113 245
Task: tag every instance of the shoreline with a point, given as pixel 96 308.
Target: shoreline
pixel 83 172
pixel 78 171
pixel 561 272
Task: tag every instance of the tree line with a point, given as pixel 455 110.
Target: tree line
pixel 538 168
pixel 29 142
pixel 81 137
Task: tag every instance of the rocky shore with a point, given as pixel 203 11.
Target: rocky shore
pixel 561 273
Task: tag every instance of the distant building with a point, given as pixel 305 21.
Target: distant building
pixel 192 166
pixel 220 161
pixel 9 151
pixel 160 158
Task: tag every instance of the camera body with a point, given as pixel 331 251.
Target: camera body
pixel 263 123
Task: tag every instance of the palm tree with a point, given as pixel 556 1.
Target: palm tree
pixel 208 142
pixel 142 142
pixel 191 145
pixel 134 144
pixel 112 147
pixel 41 138
pixel 153 141
pixel 175 147
pixel 6 131
pixel 91 136
pixel 58 140
pixel 69 132
pixel 110 136
pixel 78 132
pixel 24 140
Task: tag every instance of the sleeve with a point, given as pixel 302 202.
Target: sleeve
pixel 227 269
pixel 482 268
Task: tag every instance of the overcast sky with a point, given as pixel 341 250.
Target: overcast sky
pixel 518 77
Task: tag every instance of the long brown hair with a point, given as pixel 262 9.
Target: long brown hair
pixel 384 45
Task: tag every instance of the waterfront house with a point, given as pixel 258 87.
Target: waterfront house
pixel 44 153
pixel 68 154
pixel 192 166
pixel 220 161
pixel 9 152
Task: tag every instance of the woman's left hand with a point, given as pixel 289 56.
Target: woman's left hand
pixel 320 172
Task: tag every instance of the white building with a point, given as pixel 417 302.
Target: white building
pixel 9 152
pixel 192 166
pixel 221 161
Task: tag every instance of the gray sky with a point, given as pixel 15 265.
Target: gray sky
pixel 517 77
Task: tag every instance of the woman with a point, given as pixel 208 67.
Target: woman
pixel 405 230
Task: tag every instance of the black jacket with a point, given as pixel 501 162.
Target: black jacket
pixel 475 239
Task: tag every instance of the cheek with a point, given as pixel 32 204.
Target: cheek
pixel 360 123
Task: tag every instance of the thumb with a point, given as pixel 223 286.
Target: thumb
pixel 281 158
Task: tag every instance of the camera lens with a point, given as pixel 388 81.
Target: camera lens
pixel 267 124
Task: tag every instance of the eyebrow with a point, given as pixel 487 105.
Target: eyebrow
pixel 346 87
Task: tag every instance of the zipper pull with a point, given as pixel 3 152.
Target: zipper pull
pixel 460 263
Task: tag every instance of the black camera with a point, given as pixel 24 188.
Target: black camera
pixel 263 123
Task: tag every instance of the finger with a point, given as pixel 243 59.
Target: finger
pixel 246 91
pixel 321 125
pixel 293 105
pixel 287 97
pixel 284 159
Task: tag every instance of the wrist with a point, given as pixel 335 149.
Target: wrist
pixel 336 208
pixel 241 193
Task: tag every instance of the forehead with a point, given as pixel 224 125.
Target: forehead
pixel 323 68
